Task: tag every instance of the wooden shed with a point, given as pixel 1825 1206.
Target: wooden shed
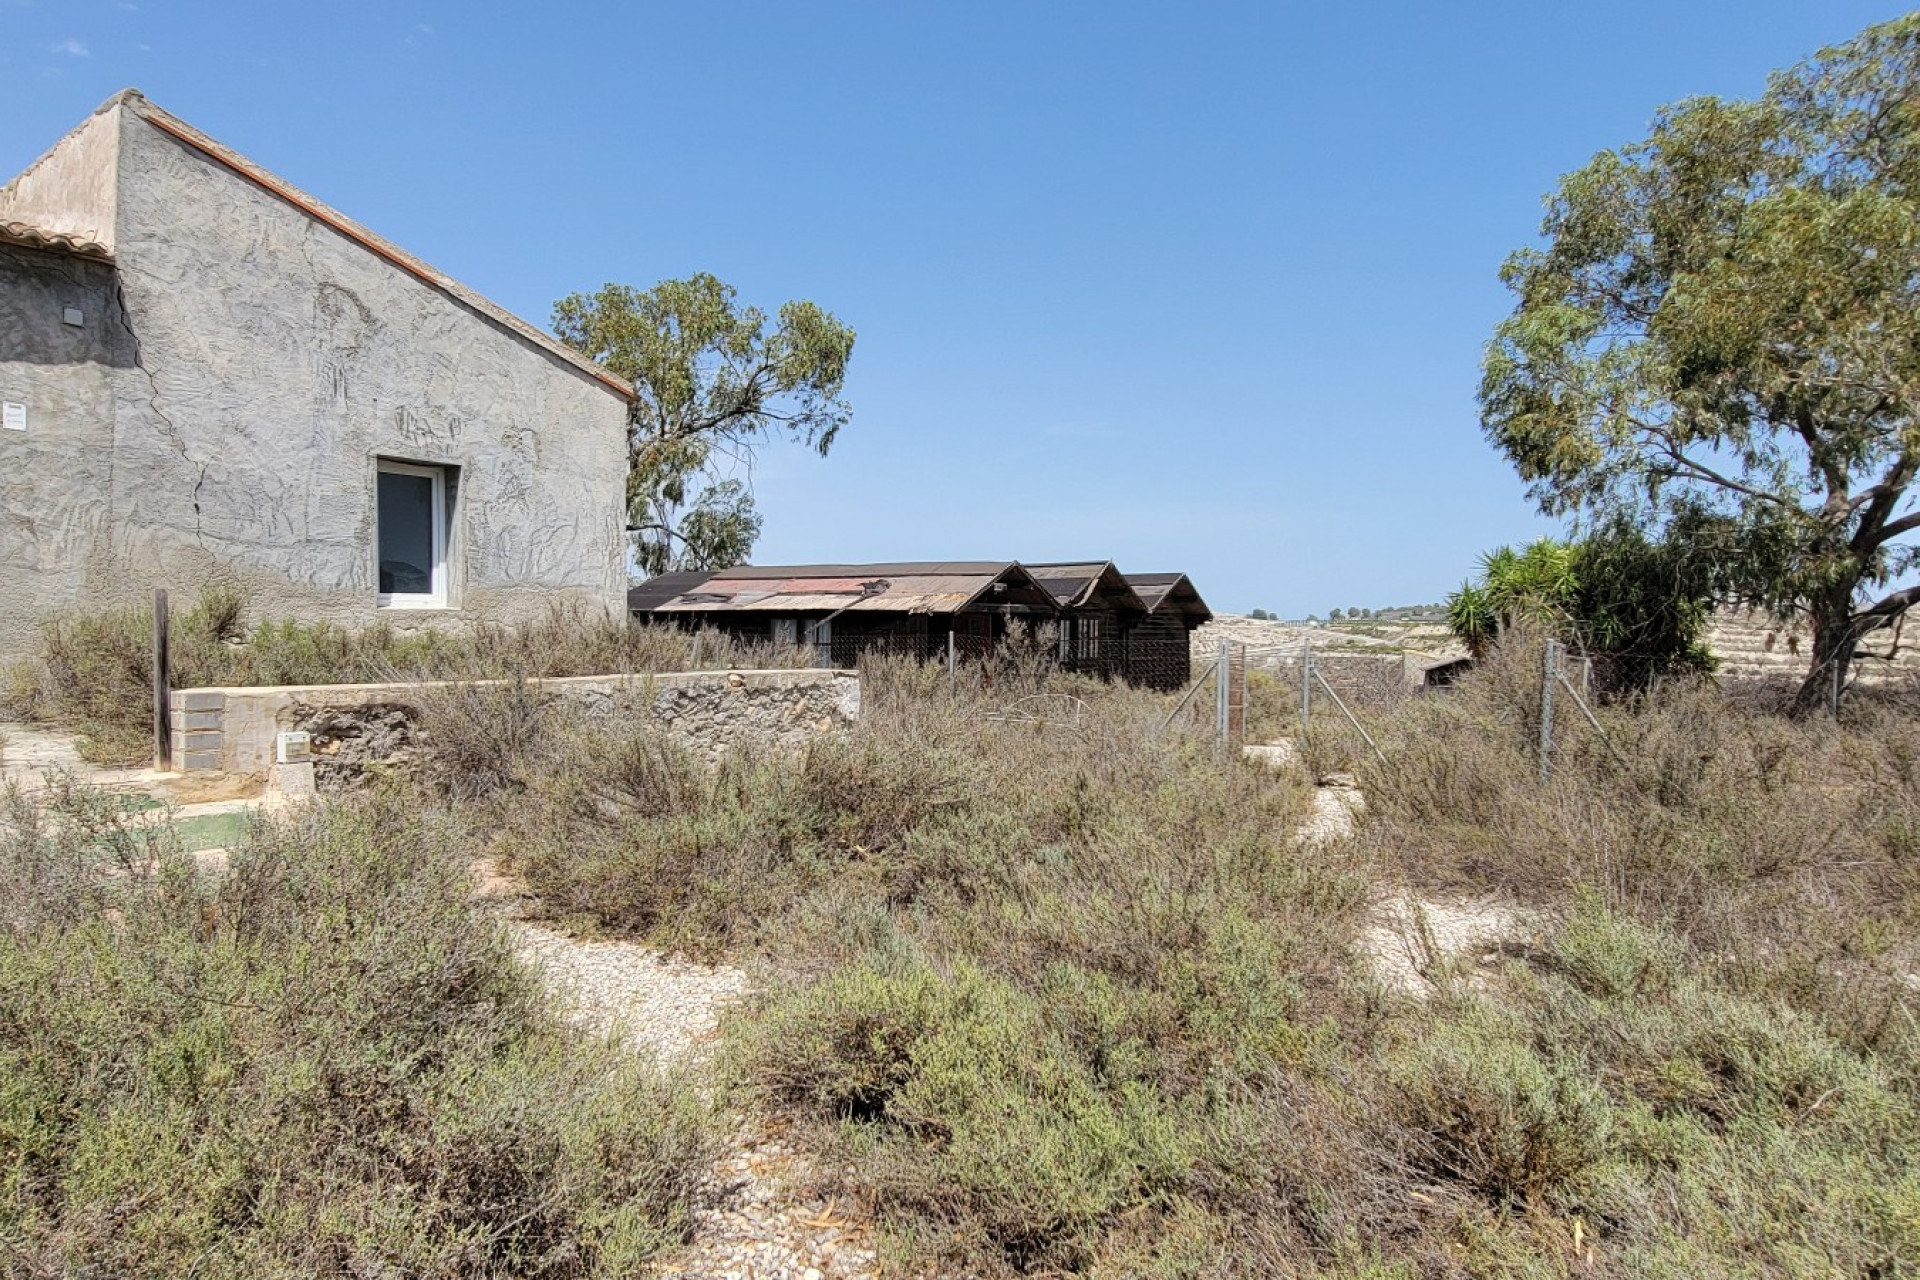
pixel 1098 612
pixel 844 610
pixel 1159 646
pixel 1133 627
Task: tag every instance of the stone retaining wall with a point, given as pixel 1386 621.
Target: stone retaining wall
pixel 232 730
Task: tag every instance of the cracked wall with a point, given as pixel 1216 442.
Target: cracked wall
pixel 57 476
pixel 250 368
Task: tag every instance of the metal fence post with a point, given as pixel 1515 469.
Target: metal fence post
pixel 1246 693
pixel 1306 689
pixel 1223 689
pixel 162 687
pixel 1546 709
pixel 952 663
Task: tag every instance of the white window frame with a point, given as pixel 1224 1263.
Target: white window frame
pixel 436 598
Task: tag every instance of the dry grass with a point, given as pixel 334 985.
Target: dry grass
pixel 1061 996
pixel 94 674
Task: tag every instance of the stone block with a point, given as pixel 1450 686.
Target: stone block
pixel 200 700
pixel 199 741
pixel 291 781
pixel 192 760
pixel 201 720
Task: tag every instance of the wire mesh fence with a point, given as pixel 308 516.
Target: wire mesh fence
pixel 1256 696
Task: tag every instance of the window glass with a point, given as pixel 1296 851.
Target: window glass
pixel 407 520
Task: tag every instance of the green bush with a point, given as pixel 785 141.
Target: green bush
pixel 965 1104
pixel 1496 1114
pixel 322 1063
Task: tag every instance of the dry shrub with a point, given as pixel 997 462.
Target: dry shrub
pixel 478 738
pixel 1062 996
pixel 323 1063
pixel 1041 957
pixel 94 672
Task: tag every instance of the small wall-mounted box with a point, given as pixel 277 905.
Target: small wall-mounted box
pixel 292 748
pixel 74 316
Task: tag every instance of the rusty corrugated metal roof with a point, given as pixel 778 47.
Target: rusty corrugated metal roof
pixel 865 572
pixel 1078 585
pixel 1156 589
pixel 23 233
pixel 656 591
pixel 901 587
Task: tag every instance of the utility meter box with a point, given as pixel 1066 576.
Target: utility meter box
pixel 292 748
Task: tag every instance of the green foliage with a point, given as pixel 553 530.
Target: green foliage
pixel 1039 1145
pixel 1638 606
pixel 1721 332
pixel 711 380
pixel 321 1063
pixel 1512 1124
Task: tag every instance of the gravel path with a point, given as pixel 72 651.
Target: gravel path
pixel 1415 943
pixel 762 1220
pixel 666 1008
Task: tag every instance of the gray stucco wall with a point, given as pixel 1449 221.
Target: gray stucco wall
pixel 56 527
pixel 266 363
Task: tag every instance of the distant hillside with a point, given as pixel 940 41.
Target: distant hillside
pixel 1748 643
pixel 1375 634
pixel 1751 645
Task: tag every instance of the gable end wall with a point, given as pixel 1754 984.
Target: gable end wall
pixel 276 360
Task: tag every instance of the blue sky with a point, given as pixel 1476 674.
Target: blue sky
pixel 1199 287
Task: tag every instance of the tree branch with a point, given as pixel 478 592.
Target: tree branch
pixel 1699 471
pixel 1885 611
pixel 1874 530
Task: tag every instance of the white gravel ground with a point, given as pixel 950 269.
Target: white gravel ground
pixel 1413 943
pixel 760 1221
pixel 666 1008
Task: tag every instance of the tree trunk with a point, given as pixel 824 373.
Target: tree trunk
pixel 1836 635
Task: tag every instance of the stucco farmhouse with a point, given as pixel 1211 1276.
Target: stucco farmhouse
pixel 208 376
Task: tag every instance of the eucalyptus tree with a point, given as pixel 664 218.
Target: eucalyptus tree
pixel 712 382
pixel 1722 331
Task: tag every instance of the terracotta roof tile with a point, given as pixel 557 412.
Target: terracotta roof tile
pixel 33 237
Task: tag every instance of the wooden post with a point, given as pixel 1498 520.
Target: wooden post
pixel 952 656
pixel 162 693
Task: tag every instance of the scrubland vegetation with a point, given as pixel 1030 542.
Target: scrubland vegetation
pixel 1053 997
pixel 319 1063
pixel 1069 999
pixel 94 674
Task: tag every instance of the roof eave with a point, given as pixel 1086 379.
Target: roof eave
pixel 319 211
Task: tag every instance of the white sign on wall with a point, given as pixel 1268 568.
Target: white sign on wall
pixel 13 416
